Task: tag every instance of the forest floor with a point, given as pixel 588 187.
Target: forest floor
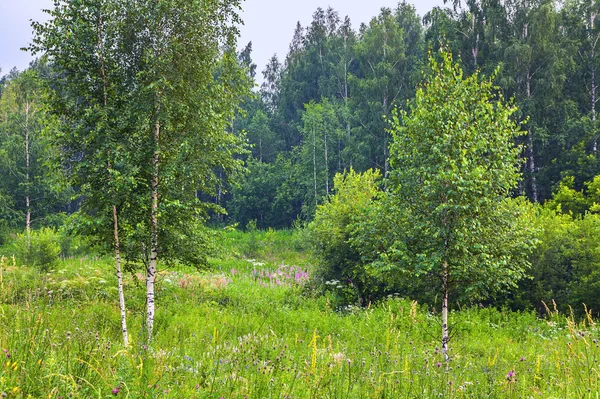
pixel 254 327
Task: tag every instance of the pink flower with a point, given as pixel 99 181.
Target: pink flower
pixel 511 375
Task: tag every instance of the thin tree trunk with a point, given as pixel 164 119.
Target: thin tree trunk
pixel 593 78
pixel 531 152
pixel 475 49
pixel 120 278
pixel 27 167
pixel 151 270
pixel 445 334
pixel 595 144
pixel 326 166
pixel 315 165
pixel 386 162
pixel 122 307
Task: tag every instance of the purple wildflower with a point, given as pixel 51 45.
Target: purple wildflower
pixel 115 391
pixel 511 375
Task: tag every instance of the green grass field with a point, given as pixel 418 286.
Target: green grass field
pixel 253 327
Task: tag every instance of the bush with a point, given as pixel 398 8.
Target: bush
pixel 40 250
pixel 566 264
pixel 339 264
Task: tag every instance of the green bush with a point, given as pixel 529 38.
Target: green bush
pixel 566 264
pixel 340 268
pixel 40 250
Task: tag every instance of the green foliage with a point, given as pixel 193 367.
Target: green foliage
pixel 27 184
pixel 41 249
pixel 320 152
pixel 454 166
pixel 134 122
pixel 331 231
pixel 275 341
pixel 568 200
pixel 268 193
pixel 566 264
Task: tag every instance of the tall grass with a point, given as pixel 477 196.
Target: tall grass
pixel 252 328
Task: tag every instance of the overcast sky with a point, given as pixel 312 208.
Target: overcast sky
pixel 269 24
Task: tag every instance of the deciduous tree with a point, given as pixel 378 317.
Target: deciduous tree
pixel 454 165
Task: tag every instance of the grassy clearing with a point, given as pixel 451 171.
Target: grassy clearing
pixel 252 327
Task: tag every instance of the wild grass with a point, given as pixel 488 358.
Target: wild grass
pixel 253 328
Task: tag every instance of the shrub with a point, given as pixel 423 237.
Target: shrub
pixel 339 264
pixel 40 250
pixel 566 264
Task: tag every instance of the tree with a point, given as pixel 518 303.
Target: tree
pixel 269 89
pixel 31 193
pixel 321 131
pixel 454 166
pixel 535 62
pixel 87 95
pixel 144 118
pixel 381 83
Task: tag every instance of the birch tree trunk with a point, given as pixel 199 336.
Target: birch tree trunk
pixel 445 288
pixel 120 278
pixel 118 269
pixel 315 165
pixel 530 151
pixel 326 166
pixel 151 270
pixel 27 173
pixel 593 84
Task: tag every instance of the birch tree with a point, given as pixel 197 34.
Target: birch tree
pixel 145 121
pixel 86 94
pixel 29 195
pixel 454 165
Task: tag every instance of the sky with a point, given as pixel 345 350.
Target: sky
pixel 268 24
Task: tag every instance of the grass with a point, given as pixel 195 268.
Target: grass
pixel 253 327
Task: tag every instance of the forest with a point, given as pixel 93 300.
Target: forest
pixel 407 208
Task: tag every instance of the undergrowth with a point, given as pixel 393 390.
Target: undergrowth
pixel 253 327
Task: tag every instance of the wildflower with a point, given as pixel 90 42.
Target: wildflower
pixel 522 359
pixel 511 376
pixel 438 364
pixel 115 391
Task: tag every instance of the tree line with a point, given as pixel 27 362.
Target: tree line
pixel 325 107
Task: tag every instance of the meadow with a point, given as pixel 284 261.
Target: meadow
pixel 256 326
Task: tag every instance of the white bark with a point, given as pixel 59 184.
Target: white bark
pixel 122 307
pixel 326 166
pixel 445 330
pixel 27 170
pixel 151 270
pixel 315 165
pixel 531 152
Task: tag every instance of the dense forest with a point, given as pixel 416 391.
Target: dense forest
pixel 323 109
pixel 326 109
